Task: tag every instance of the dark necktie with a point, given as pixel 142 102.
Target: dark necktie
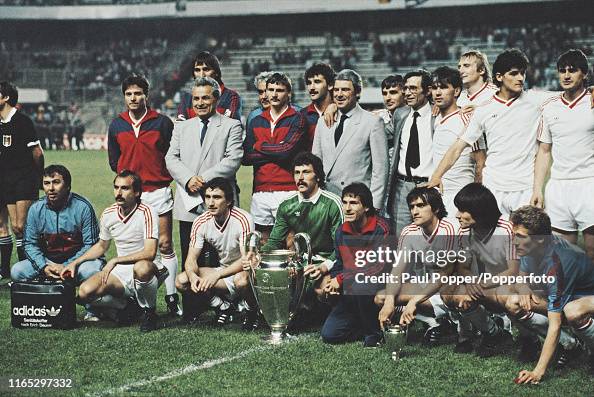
pixel 203 132
pixel 339 128
pixel 413 158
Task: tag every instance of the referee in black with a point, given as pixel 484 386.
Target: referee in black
pixel 21 163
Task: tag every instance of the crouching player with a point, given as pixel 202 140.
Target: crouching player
pixel 355 315
pixel 488 243
pixel 567 275
pixel 134 272
pixel 225 227
pixel 426 246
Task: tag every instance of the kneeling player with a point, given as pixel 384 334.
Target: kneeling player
pixel 135 272
pixel 568 287
pixel 355 315
pixel 422 244
pixel 225 227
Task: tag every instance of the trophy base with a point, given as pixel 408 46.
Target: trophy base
pixel 276 338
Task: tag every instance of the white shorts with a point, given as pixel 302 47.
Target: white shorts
pixel 230 284
pixel 569 203
pixel 265 204
pixel 161 200
pixel 125 273
pixel 511 201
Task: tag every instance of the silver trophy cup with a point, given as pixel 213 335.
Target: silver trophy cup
pixel 395 337
pixel 278 282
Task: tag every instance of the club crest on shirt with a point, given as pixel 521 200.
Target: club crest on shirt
pixel 6 140
pixel 228 113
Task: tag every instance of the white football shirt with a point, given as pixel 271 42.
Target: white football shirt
pixel 490 254
pixel 228 239
pixel 484 94
pixel 129 232
pixel 569 127
pixel 447 130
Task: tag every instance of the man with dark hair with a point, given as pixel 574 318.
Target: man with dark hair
pixel 488 241
pixel 21 166
pixel 228 104
pixel 136 271
pixel 566 137
pixel 138 140
pixel 319 81
pixel 476 79
pixel 567 293
pixel 225 227
pixel 272 141
pixel 202 148
pixel 354 149
pixel 314 211
pixel 449 125
pixel 60 228
pixel 412 161
pixel 355 315
pixel 426 244
pixel 510 124
pixel 392 88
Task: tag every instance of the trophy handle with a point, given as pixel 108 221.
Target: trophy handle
pixel 252 244
pixel 306 243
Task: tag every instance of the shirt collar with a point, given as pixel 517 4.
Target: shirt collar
pixel 423 111
pixel 349 114
pixel 10 114
pixel 368 228
pixel 313 199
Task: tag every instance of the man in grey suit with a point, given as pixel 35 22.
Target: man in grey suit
pixel 354 149
pixel 202 148
pixel 412 160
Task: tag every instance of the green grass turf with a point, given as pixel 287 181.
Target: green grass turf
pixel 101 358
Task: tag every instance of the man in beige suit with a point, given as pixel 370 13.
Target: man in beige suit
pixel 202 148
pixel 354 149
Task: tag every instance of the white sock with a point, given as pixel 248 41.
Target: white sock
pixel 170 263
pixel 217 302
pixel 540 324
pixel 146 292
pixel 479 317
pixel 431 321
pixel 109 301
pixel 586 332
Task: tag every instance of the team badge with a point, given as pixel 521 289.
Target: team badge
pixel 228 113
pixel 6 140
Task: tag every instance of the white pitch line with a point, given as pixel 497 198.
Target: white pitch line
pixel 185 370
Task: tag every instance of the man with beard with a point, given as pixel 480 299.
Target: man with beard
pixel 21 165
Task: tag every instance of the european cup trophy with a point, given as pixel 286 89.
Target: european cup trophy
pixel 278 282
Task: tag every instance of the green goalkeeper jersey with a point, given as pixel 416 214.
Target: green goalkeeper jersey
pixel 319 217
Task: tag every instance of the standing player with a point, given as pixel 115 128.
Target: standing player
pixel 138 141
pixel 449 125
pixel 319 81
pixel 566 135
pixel 420 242
pixel 272 141
pixel 393 95
pixel 476 79
pixel 229 104
pixel 21 166
pixel 569 295
pixel 225 227
pixel 510 121
pixel 136 270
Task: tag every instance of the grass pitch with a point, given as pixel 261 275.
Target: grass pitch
pixel 177 359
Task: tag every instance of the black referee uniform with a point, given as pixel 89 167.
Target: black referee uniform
pixel 19 177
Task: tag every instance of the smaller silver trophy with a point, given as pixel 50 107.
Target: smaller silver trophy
pixel 278 282
pixel 396 337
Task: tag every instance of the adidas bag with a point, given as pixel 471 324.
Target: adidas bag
pixel 43 304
